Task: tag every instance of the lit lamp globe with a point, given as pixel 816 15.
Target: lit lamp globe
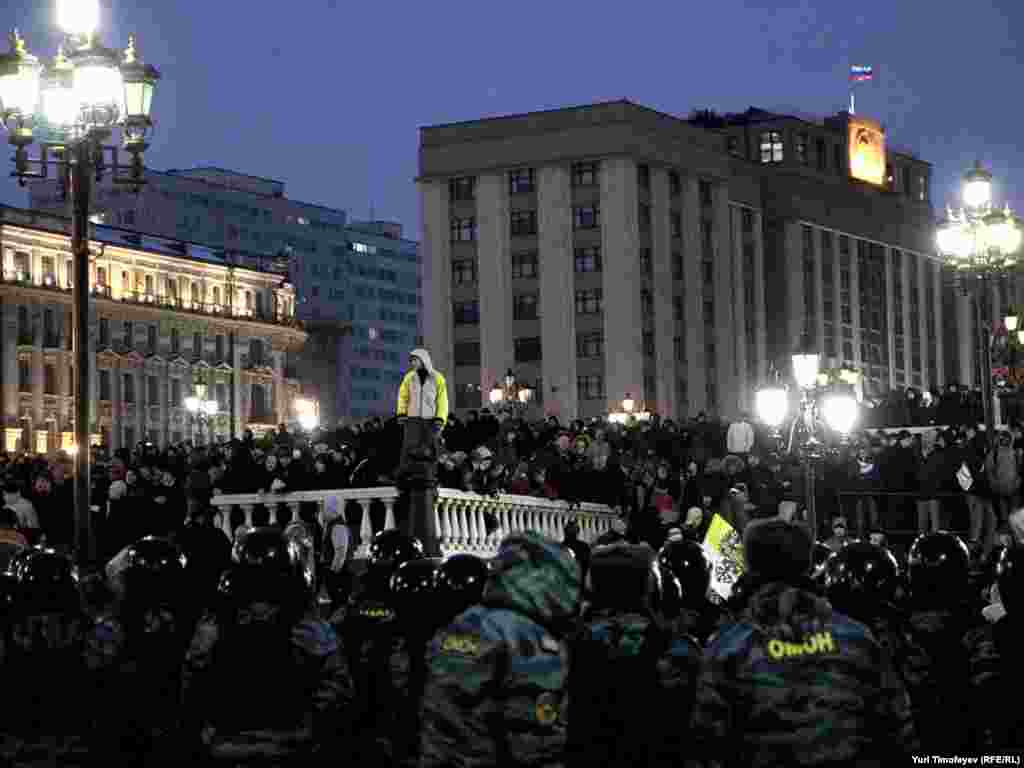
pixel 954 241
pixel 57 96
pixel 78 18
pixel 307 421
pixel 840 413
pixel 1011 320
pixel 525 394
pixel 806 362
pixel 139 84
pixel 772 404
pixel 497 395
pixel 192 404
pixel 977 191
pixel 20 74
pixel 98 86
pixel 628 404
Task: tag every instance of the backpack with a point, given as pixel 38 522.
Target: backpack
pixel 613 681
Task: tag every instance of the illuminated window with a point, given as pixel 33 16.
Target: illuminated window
pixel 771 147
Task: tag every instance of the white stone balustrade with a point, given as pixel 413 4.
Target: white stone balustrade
pixel 460 516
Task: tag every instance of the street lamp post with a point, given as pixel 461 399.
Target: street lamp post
pixel 980 244
pixel 819 408
pixel 72 107
pixel 200 409
pixel 510 396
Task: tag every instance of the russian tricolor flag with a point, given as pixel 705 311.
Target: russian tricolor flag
pixel 860 74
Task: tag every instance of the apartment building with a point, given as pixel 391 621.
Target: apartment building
pixel 163 316
pixel 610 249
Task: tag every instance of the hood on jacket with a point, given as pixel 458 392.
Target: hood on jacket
pixel 535 577
pixel 423 355
pixel 788 612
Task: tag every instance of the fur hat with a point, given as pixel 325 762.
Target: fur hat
pixel 776 549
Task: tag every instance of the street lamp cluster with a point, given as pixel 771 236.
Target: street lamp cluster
pixel 199 407
pixel 510 395
pixel 980 244
pixel 71 105
pixel 627 413
pixel 821 407
pixel 307 412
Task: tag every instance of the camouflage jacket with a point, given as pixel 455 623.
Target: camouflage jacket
pixel 297 697
pixel 47 691
pixel 632 685
pixel 795 683
pixel 497 676
pixel 382 663
pixel 934 660
pixel 996 675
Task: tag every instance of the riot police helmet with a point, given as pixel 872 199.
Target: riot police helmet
pixel 937 567
pixel 686 561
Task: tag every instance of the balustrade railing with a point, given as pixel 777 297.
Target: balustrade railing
pixel 460 517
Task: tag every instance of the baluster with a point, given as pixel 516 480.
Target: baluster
pixel 247 509
pixel 389 515
pixel 293 507
pixel 475 518
pixel 272 513
pixel 365 527
pixel 461 527
pixel 225 520
pixel 440 525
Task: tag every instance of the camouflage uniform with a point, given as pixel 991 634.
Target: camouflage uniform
pixel 263 707
pixel 379 658
pixel 46 691
pixel 795 683
pixel 996 671
pixel 935 663
pixel 632 685
pixel 496 691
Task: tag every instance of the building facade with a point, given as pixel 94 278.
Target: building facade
pixel 160 320
pixel 362 278
pixel 611 250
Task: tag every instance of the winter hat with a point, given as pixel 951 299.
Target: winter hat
pixel 776 549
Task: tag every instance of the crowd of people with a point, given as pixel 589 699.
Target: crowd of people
pixel 551 654
pixel 656 474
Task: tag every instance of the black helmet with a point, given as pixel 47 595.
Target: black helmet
pixel 622 577
pixel 460 582
pixel 388 551
pixel 686 561
pixel 937 566
pixel 46 580
pixel 1010 577
pixel 391 548
pixel 301 544
pixel 860 577
pixel 153 570
pixel 413 583
pixel 265 569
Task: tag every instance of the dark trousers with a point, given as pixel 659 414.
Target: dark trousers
pixel 416 479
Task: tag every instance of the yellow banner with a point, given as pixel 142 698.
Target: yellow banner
pixel 724 550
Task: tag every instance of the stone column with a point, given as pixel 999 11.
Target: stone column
pixel 235 353
pixel 928 343
pixel 744 385
pixel 794 266
pixel 859 362
pixel 116 404
pixel 557 292
pixel 693 301
pixel 724 331
pixel 661 290
pixel 620 256
pixel 890 340
pixel 966 338
pixel 818 256
pixel 164 388
pixel 10 361
pixel 938 335
pixel 437 275
pixel 837 294
pixel 760 313
pixel 494 265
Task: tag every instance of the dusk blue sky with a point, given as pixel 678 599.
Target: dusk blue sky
pixel 327 95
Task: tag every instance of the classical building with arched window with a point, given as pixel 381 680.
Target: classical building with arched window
pixel 162 316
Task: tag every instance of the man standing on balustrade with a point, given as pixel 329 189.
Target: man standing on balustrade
pixel 423 410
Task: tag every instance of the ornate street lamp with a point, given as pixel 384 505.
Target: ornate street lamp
pixel 980 244
pixel 71 107
pixel 510 395
pixel 199 407
pixel 820 408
